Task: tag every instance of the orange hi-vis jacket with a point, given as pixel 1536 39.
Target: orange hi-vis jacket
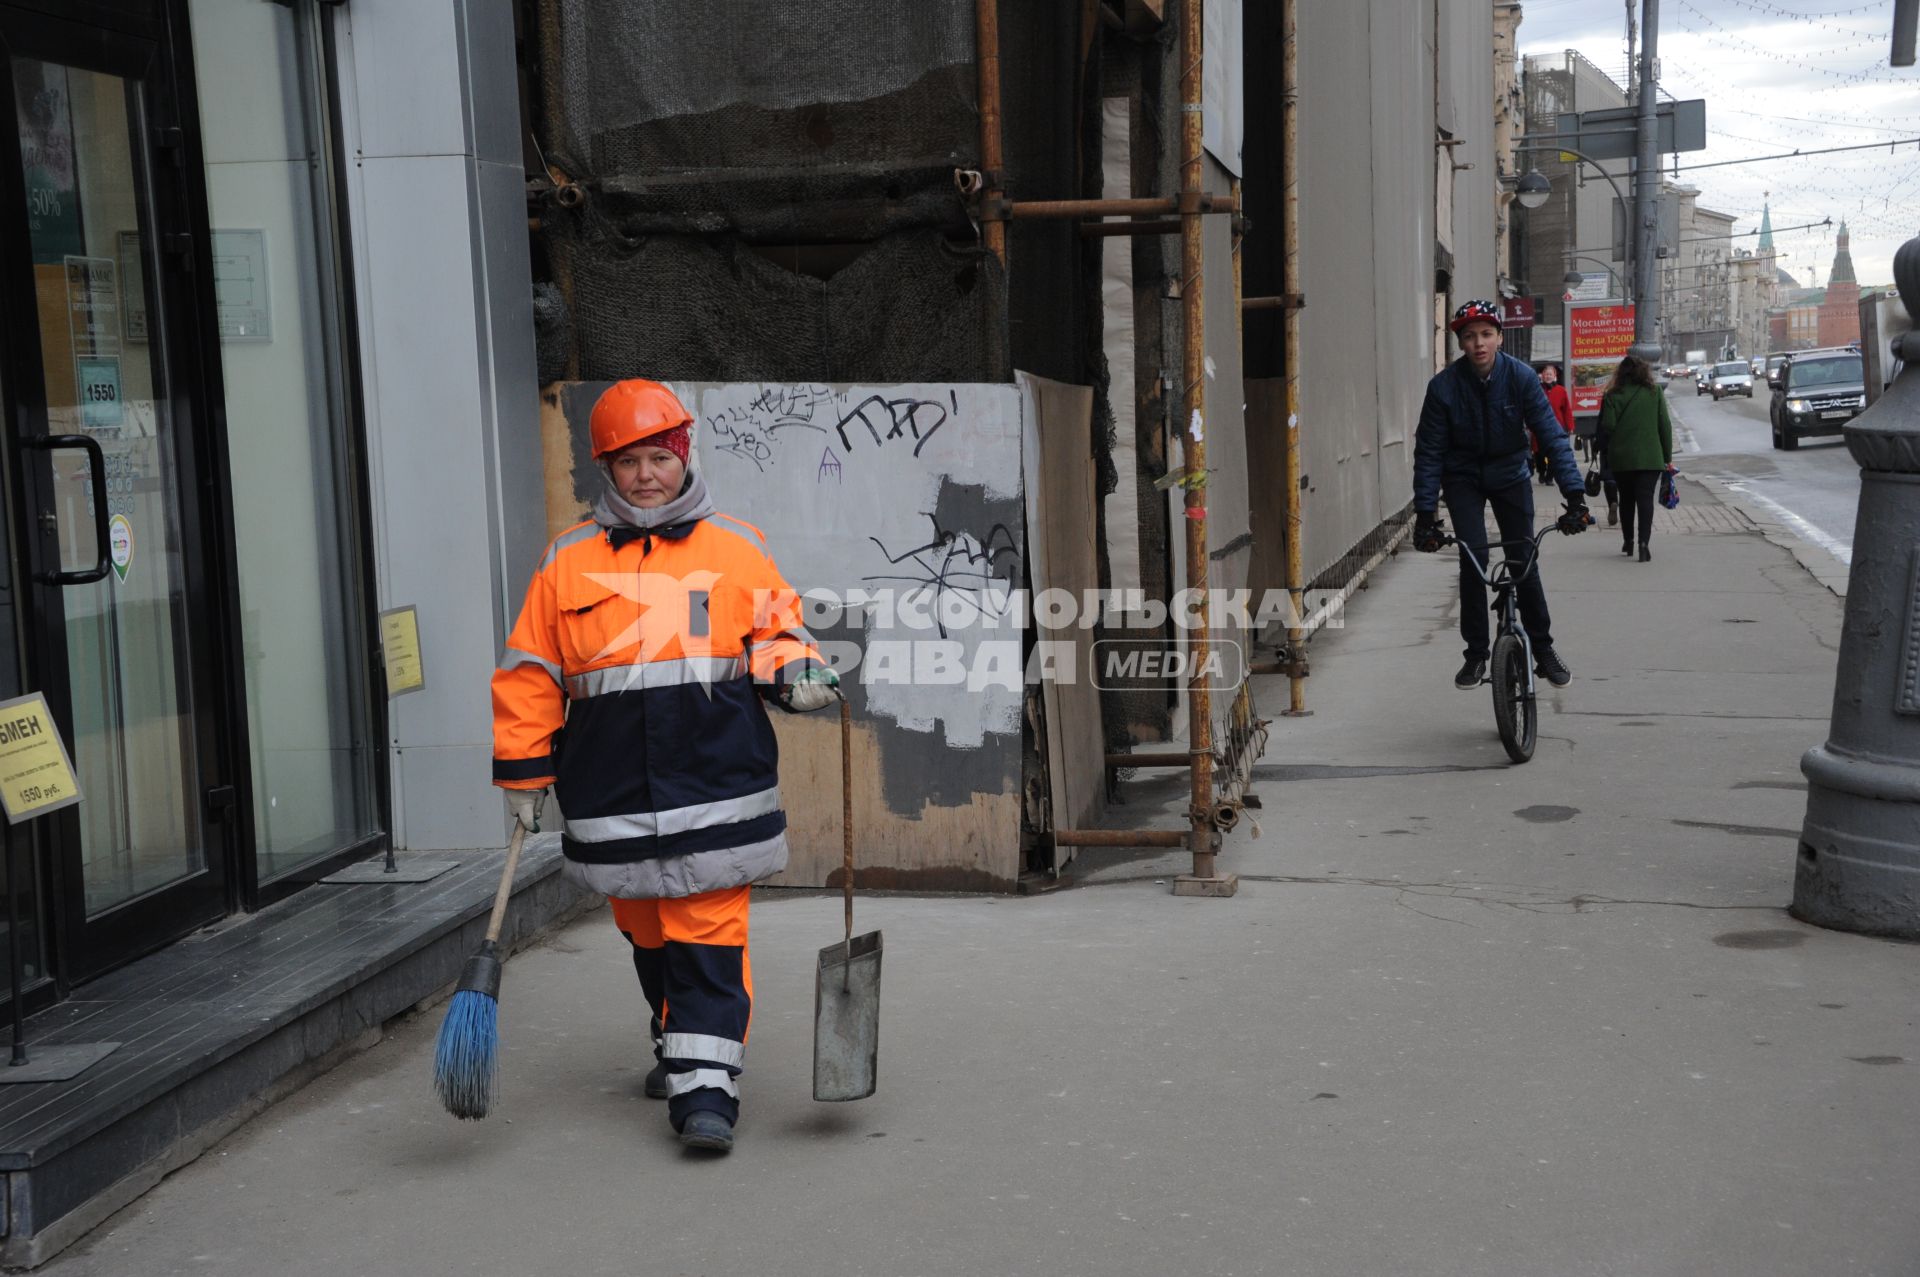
pixel 633 683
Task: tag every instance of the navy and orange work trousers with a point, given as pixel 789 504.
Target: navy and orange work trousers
pixel 691 956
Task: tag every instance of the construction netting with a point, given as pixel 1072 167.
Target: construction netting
pixel 704 129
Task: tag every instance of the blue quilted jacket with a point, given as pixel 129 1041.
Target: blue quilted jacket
pixel 1476 432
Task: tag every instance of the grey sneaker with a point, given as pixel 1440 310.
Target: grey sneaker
pixel 1471 675
pixel 706 1129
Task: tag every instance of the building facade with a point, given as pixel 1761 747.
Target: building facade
pixel 1697 281
pixel 1574 229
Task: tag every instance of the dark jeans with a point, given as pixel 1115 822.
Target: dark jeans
pixel 1513 514
pixel 1637 489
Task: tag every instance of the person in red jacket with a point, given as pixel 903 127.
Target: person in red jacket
pixel 656 634
pixel 1562 405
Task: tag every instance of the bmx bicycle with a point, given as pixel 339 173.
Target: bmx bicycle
pixel 1516 713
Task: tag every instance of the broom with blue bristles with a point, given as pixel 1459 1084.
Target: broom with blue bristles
pixel 467 1057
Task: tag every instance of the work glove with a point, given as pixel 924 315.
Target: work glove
pixel 814 689
pixel 525 805
pixel 1429 534
pixel 1576 519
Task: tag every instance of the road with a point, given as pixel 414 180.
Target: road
pixel 1814 490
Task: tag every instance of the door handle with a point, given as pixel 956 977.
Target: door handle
pixel 97 470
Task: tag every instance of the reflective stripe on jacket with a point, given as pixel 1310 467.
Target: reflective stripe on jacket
pixel 655 658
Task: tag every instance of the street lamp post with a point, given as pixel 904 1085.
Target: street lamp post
pixel 1646 183
pixel 1858 867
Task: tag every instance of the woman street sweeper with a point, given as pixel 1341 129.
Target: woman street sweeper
pixel 653 634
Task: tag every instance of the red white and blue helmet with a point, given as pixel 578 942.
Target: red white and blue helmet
pixel 1477 311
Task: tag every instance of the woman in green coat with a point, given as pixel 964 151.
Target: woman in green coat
pixel 1636 433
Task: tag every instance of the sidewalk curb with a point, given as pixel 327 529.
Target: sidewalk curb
pixel 1821 564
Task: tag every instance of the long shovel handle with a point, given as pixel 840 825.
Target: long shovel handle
pixel 846 812
pixel 506 883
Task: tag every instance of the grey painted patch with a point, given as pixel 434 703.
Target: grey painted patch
pixel 921 767
pixel 1760 939
pixel 1547 815
pixel 995 524
pixel 577 402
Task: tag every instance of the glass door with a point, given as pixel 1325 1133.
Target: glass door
pixel 95 251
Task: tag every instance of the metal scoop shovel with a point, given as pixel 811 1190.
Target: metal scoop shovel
pixel 846 988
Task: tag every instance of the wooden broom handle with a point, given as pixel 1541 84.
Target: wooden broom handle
pixel 506 883
pixel 846 807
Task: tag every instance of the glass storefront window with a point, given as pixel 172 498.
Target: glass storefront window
pixel 125 635
pixel 278 279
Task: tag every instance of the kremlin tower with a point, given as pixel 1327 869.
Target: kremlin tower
pixel 1840 312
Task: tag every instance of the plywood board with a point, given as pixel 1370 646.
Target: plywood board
pixel 910 495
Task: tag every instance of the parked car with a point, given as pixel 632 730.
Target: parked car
pixel 1819 392
pixel 1773 369
pixel 1730 378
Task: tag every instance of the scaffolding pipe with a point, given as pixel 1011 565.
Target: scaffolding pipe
pixel 1200 202
pixel 1120 837
pixel 986 38
pixel 1290 286
pixel 1151 758
pixel 1286 301
pixel 1193 434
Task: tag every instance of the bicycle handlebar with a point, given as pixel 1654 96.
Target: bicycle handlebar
pixel 1486 574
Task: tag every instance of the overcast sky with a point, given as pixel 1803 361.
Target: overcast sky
pixel 1777 75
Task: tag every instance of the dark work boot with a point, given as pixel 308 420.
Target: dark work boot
pixel 1472 674
pixel 707 1129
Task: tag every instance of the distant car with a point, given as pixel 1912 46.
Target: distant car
pixel 1701 378
pixel 1678 371
pixel 1818 393
pixel 1731 378
pixel 1773 370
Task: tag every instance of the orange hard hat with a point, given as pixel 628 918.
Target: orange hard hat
pixel 633 410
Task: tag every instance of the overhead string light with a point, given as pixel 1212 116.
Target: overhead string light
pixel 1728 39
pixel 1812 19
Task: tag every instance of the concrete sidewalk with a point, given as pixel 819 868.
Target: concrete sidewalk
pixel 1462 1018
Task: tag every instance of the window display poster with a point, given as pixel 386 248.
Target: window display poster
pixel 133 287
pixel 93 307
pixel 240 285
pixel 99 386
pixel 46 160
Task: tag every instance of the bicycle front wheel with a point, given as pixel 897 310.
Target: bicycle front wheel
pixel 1514 710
